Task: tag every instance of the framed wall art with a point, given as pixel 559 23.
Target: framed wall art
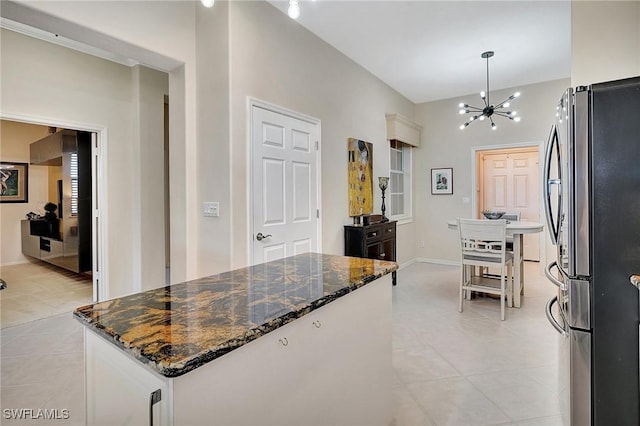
pixel 442 181
pixel 14 182
pixel 360 177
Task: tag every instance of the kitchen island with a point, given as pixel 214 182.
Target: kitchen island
pixel 301 340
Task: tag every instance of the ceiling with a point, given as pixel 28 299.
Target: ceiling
pixel 426 50
pixel 430 50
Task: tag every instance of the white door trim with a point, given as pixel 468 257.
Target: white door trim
pixel 99 183
pixel 474 180
pixel 254 102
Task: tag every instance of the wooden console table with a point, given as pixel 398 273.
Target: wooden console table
pixel 373 241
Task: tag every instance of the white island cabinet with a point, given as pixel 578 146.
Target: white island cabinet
pixel 330 365
pixel 119 389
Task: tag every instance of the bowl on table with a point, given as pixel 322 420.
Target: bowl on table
pixel 492 215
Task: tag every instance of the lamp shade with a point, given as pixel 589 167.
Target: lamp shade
pixel 383 182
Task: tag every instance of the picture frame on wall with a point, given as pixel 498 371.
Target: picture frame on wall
pixel 14 182
pixel 360 177
pixel 442 181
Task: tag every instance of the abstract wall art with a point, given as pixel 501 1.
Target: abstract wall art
pixel 14 182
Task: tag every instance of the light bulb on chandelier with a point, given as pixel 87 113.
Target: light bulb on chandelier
pixel 294 9
pixel 488 110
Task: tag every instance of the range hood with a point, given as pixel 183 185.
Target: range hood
pixel 48 150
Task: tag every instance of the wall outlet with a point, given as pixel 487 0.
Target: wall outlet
pixel 211 208
pixel 421 244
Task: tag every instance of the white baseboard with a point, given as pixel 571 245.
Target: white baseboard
pixel 407 263
pixel 438 261
pixel 19 262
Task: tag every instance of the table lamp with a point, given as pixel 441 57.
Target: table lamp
pixel 383 182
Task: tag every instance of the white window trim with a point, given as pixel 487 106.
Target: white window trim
pixel 408 186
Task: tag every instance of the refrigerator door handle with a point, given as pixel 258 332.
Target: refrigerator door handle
pixel 547 271
pixel 554 227
pixel 552 319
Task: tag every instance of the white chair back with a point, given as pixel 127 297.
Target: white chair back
pixel 483 244
pixel 482 239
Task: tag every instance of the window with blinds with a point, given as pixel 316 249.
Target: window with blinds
pixel 400 180
pixel 74 183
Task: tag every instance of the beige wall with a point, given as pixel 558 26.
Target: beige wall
pixel 149 88
pixel 275 60
pixel 215 234
pixel 208 119
pixel 160 34
pixel 250 49
pixel 605 41
pixel 14 147
pixel 445 145
pixel 41 81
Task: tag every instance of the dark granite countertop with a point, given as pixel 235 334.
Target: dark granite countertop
pixel 635 281
pixel 178 328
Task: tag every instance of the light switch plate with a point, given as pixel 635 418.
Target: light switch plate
pixel 211 208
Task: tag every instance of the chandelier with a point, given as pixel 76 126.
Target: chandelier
pixel 489 110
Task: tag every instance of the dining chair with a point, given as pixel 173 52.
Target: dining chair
pixel 509 217
pixel 512 217
pixel 483 244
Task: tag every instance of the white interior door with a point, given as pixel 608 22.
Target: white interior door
pixel 510 184
pixel 285 180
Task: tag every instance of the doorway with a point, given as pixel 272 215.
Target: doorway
pixel 52 269
pixel 285 183
pixel 508 179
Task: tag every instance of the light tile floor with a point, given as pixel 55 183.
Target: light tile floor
pixel 41 346
pixel 450 368
pixel 38 290
pixel 470 368
pixel 42 367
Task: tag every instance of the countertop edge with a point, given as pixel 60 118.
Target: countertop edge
pixel 178 369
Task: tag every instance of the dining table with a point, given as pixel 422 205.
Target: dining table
pixel 516 229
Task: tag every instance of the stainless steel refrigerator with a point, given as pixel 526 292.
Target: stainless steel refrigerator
pixel 592 201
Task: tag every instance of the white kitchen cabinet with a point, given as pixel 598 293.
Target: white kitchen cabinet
pixel 329 367
pixel 119 388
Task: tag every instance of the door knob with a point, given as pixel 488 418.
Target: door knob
pixel 635 280
pixel 261 237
